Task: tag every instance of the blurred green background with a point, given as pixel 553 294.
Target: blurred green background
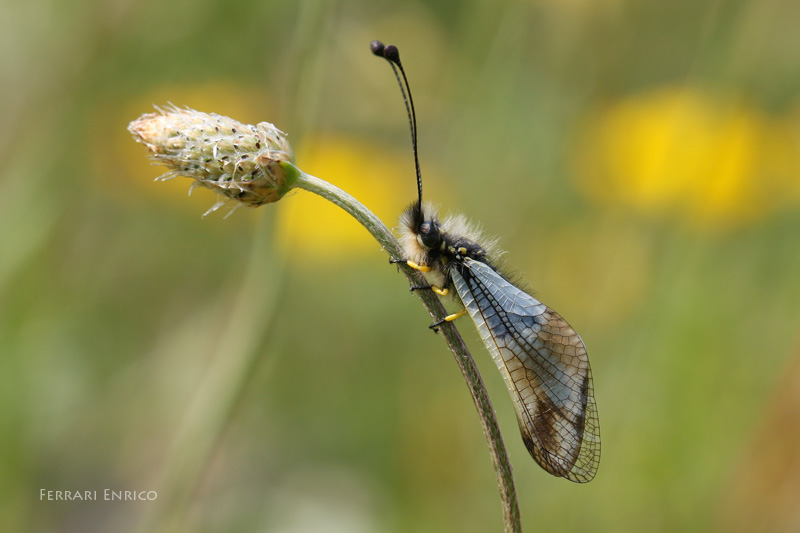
pixel 270 371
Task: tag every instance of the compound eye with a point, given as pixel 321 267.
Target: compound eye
pixel 429 234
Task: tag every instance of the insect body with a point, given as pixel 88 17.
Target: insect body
pixel 542 359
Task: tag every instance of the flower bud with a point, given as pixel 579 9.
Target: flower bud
pixel 251 165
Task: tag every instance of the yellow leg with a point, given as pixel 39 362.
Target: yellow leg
pixel 440 292
pixel 450 318
pixel 421 268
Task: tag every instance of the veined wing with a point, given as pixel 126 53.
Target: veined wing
pixel 545 367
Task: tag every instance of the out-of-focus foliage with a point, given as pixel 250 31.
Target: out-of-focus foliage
pixel 270 372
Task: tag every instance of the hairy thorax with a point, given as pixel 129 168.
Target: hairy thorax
pixel 455 240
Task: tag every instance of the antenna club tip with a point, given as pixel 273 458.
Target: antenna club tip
pixel 391 53
pixel 377 48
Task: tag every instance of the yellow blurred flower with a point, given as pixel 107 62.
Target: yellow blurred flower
pixel 312 228
pixel 709 160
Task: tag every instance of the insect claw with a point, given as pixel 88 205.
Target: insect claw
pixel 420 287
pixel 435 325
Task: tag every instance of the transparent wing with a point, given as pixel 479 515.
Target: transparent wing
pixel 545 367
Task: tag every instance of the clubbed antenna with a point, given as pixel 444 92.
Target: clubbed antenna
pixel 392 55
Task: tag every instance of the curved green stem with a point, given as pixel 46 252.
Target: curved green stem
pixel 497 450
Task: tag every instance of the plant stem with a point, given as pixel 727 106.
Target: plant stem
pixel 491 430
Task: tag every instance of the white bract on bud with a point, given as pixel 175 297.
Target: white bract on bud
pixel 248 165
